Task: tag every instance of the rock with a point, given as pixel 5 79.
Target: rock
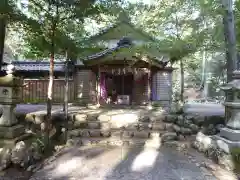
pixel 185 131
pixel 74 133
pixel 104 118
pixel 199 120
pixel 223 146
pixel 80 117
pixel 39 118
pixel 176 128
pixel 73 142
pixel 30 117
pixel 154 135
pixel 169 126
pixel 195 145
pixel 141 134
pixel 219 126
pixel 227 161
pixel 116 134
pixel 93 124
pixel 80 121
pixel 176 145
pixel 70 142
pixel 18 153
pixel 105 133
pixel 95 133
pixel 187 123
pixel 131 127
pixel 84 133
pixel 158 126
pixel 144 119
pixel 213 152
pixel 214 120
pixel 180 120
pixel 210 166
pixel 209 130
pixel 30 168
pixel 171 118
pixel 189 118
pixel 203 142
pixel 127 134
pixel 181 137
pixel 169 136
pixel 37 150
pixel 142 126
pixel 194 128
pixel 176 108
pixel 28 158
pixel 5 158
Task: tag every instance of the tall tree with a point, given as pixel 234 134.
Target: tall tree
pixel 45 35
pixel 3 25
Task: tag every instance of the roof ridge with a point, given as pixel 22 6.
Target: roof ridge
pixel 116 24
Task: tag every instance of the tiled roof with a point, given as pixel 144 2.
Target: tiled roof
pixel 36 66
pixel 123 43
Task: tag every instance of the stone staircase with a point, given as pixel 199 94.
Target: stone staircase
pixel 121 127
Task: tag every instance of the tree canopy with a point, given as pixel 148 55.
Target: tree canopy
pixel 189 31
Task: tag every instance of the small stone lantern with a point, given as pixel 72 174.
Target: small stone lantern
pixel 233 121
pixel 229 135
pixel 9 97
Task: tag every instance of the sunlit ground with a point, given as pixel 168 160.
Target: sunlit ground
pixel 121 163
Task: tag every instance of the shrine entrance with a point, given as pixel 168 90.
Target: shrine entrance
pixel 119 86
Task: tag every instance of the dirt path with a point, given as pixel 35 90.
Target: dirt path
pixel 101 163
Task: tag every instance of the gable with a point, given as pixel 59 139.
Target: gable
pixel 119 30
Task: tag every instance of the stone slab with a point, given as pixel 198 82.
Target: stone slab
pixel 11 132
pixel 232 135
pixel 225 144
pixel 11 142
pixel 7 115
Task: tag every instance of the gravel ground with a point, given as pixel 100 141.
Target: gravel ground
pixel 102 163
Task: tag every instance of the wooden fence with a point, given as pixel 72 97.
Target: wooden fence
pixel 35 91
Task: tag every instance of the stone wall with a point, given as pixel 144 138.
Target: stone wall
pixel 187 125
pixel 202 131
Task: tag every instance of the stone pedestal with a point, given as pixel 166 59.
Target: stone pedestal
pixel 7 115
pixel 10 130
pixel 229 136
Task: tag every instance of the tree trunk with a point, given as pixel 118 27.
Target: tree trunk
pixel 2 38
pixel 48 124
pixel 230 40
pixel 66 98
pixel 49 98
pixel 206 76
pixel 182 80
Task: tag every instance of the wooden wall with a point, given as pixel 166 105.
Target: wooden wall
pixel 35 91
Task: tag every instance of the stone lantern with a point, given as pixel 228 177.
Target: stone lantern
pixel 9 97
pixel 229 135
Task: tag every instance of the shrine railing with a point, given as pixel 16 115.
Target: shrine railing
pixel 35 91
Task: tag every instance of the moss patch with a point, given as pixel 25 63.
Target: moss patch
pixel 235 153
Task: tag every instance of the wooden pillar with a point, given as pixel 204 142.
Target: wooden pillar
pixel 98 85
pixel 123 77
pixel 149 84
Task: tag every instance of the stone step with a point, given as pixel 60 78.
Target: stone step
pixel 133 126
pixel 154 143
pixel 117 116
pixel 144 134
